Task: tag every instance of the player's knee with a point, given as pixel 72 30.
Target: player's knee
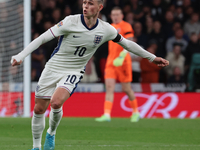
pixel 56 104
pixel 39 109
pixel 125 89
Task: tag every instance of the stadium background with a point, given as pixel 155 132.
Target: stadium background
pixel 170 27
pixel 78 130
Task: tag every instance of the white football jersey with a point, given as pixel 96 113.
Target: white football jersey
pixel 77 43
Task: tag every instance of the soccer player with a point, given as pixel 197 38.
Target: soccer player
pixel 80 36
pixel 119 67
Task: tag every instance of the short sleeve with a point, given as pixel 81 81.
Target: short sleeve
pixel 111 32
pixel 61 28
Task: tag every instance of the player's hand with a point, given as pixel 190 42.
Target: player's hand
pixel 161 62
pixel 119 60
pixel 15 60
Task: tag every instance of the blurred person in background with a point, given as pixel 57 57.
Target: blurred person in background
pixel 176 39
pixel 176 77
pixel 67 11
pixel 192 48
pixel 37 24
pixel 177 60
pixel 168 24
pixel 142 38
pixel 50 6
pixel 148 28
pixel 158 35
pixel 149 71
pixel 193 25
pixel 158 9
pixel 130 18
pixel 56 15
pixel 118 68
pixel 179 15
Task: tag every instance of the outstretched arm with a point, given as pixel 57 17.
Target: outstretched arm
pixel 136 49
pixel 45 37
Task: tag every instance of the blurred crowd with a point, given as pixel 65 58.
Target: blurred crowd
pixel 167 28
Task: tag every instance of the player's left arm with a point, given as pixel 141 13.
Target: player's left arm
pixel 136 49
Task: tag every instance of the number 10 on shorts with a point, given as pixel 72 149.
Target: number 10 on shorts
pixel 71 79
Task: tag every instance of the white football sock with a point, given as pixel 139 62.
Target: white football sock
pixel 54 119
pixel 38 125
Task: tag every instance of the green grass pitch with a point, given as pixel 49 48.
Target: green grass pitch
pixel 119 134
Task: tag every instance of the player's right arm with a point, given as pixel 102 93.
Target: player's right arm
pixel 53 32
pixel 19 58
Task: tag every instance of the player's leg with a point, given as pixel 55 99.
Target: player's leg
pixel 109 97
pixel 43 93
pixel 38 121
pixel 56 102
pixel 64 90
pixel 126 87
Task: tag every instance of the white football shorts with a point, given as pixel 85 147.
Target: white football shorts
pixel 50 80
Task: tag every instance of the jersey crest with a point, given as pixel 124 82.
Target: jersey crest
pixel 97 39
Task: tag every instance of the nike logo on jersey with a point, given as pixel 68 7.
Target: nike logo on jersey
pixel 74 36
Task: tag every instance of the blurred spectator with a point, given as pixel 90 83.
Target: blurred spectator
pixel 188 12
pixel 37 25
pixel 146 12
pixel 192 48
pixel 130 18
pixel 38 59
pixel 194 73
pixel 61 4
pixel 168 24
pixel 176 40
pixel 149 70
pixel 51 5
pixel 136 8
pixel 179 16
pixel 112 3
pixel 142 38
pixel 148 26
pixel 90 72
pixel 176 76
pixel 67 11
pixel 176 59
pixel 34 8
pixel 56 16
pixel 186 4
pixel 193 25
pixel 159 37
pixel 157 9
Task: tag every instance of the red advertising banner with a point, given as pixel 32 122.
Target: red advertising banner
pixel 151 105
pixel 11 104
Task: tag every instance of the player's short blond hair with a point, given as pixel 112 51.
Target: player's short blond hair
pixel 100 1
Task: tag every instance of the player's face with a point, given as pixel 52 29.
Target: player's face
pixel 116 16
pixel 91 8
